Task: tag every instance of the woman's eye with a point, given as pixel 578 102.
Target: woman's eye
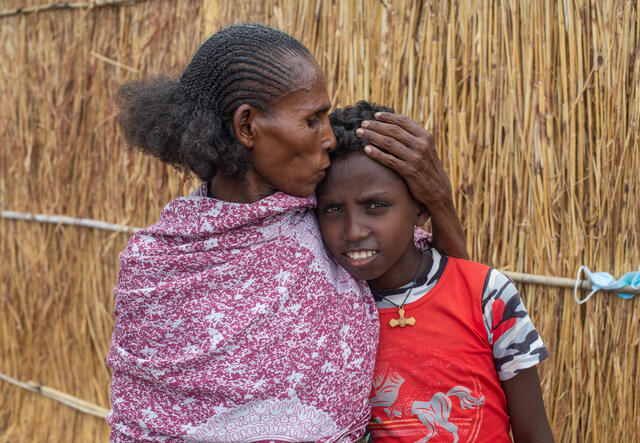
pixel 313 122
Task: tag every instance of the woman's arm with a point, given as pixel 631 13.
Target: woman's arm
pixel 526 410
pixel 409 149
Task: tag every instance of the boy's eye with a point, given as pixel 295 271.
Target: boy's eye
pixel 331 210
pixel 377 206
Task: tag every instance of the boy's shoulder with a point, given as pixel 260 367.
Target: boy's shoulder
pixel 492 279
pixel 463 262
pixel 469 268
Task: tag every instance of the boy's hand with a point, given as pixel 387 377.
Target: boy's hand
pixel 406 147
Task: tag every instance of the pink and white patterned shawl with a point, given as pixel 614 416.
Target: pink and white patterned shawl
pixel 233 324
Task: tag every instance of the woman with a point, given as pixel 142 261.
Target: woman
pixel 232 324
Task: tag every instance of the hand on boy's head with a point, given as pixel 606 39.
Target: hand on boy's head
pixel 406 147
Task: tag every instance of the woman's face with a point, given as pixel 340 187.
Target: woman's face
pixel 291 143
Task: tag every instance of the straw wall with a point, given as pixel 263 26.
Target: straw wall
pixel 535 106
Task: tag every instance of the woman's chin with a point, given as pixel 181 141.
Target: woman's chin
pixel 301 191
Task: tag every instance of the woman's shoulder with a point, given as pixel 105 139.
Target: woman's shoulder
pixel 197 218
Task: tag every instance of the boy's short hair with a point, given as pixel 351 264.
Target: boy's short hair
pixel 345 121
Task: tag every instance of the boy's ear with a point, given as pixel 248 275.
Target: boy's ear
pixel 243 120
pixel 423 215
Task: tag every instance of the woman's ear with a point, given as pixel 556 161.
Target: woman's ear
pixel 423 215
pixel 243 124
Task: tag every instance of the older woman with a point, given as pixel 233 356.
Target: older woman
pixel 232 323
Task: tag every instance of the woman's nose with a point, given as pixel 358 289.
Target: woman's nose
pixel 329 142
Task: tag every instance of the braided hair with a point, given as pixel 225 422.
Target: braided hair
pixel 345 121
pixel 189 123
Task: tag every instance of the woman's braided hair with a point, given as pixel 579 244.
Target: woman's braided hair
pixel 189 123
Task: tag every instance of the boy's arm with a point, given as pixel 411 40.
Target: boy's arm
pixel 526 409
pixel 517 350
pixel 409 149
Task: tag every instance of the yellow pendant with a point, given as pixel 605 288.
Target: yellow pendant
pixel 402 322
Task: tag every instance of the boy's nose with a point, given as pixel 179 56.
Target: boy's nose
pixel 355 231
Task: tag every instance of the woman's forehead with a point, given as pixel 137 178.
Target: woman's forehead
pixel 308 92
pixel 304 71
pixel 304 103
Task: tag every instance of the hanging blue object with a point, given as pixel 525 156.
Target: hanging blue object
pixel 604 280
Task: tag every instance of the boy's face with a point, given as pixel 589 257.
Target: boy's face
pixel 366 217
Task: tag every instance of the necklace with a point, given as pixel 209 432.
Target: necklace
pixel 401 321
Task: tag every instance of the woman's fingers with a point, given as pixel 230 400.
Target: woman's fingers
pixel 401 144
pixel 390 161
pixel 397 144
pixel 400 120
pixel 400 136
pixel 386 135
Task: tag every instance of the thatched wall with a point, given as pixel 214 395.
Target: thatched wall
pixel 535 106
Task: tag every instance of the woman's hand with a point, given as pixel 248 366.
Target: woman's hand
pixel 406 147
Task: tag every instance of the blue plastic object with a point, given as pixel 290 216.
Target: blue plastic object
pixel 604 280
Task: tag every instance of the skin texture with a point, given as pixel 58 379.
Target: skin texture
pixel 364 206
pixel 289 145
pixel 529 422
pixel 399 143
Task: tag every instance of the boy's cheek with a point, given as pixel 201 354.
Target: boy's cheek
pixel 329 237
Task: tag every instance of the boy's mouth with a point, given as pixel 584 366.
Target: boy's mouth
pixel 359 255
pixel 361 258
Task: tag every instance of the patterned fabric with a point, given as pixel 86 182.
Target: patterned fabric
pixel 232 324
pixel 515 342
pixel 436 380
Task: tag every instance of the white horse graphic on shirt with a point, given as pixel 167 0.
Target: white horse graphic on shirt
pixel 386 392
pixel 436 411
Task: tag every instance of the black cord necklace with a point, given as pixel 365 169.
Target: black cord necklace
pixel 401 321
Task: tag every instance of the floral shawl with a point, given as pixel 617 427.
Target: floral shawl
pixel 233 324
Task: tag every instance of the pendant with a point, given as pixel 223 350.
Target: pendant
pixel 402 322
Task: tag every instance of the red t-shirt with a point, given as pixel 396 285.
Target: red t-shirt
pixel 436 380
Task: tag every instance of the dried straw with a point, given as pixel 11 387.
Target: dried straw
pixel 534 105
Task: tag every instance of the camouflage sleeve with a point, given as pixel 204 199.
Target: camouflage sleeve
pixel 515 342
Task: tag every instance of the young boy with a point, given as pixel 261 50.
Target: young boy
pixel 458 352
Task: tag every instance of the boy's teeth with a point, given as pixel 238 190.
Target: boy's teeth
pixel 360 254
